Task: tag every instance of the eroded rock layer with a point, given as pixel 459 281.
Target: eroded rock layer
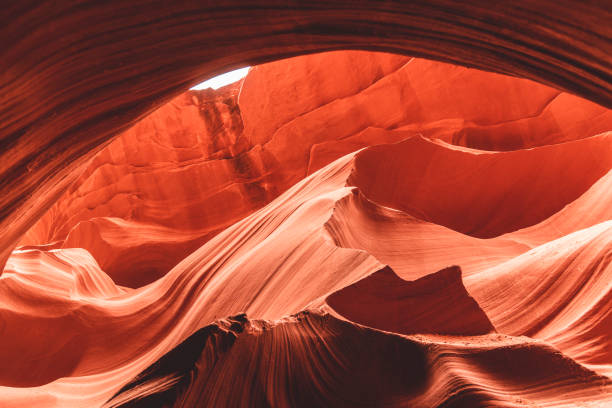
pixel 413 371
pixel 209 158
pixel 401 232
pixel 292 255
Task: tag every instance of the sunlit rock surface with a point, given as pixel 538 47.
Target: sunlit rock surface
pixel 209 158
pixel 341 229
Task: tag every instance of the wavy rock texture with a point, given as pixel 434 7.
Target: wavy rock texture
pixel 138 205
pixel 192 168
pixel 295 249
pixel 411 369
pixel 399 232
pixel 416 178
pixel 462 106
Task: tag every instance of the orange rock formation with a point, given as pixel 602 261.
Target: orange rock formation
pixel 340 229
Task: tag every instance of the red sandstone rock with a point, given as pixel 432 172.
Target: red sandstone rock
pixel 173 181
pixel 289 256
pixel 324 352
pixel 134 289
pixel 188 171
pixel 436 303
pixel 477 193
pixel 459 105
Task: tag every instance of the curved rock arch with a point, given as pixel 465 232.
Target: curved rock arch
pixel 74 73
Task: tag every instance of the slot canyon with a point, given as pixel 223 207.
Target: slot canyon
pixel 400 204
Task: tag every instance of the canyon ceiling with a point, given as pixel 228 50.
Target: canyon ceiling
pixel 401 204
pixel 75 73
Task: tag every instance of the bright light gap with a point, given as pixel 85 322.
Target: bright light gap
pixel 223 79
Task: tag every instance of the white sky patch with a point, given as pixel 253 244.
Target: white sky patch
pixel 223 79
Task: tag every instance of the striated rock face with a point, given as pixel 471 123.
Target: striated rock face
pixel 293 254
pixel 413 371
pixel 170 183
pixel 209 158
pixel 444 184
pixel 298 99
pixel 341 229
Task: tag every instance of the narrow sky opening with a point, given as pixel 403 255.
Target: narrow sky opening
pixel 223 79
